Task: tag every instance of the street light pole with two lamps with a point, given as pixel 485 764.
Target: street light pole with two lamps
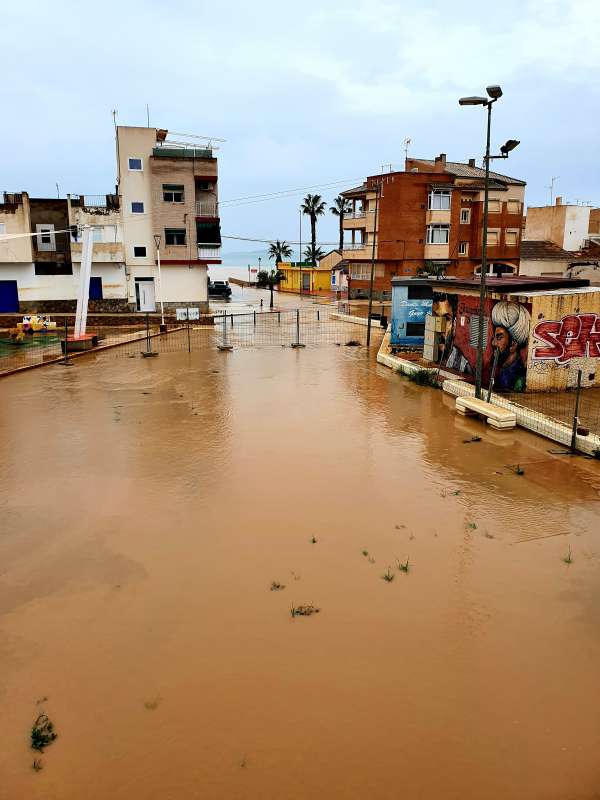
pixel 494 94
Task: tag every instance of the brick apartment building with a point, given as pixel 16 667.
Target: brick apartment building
pixel 430 219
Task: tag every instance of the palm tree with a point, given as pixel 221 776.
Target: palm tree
pixel 268 280
pixel 279 251
pixel 313 206
pixel 340 208
pixel 313 254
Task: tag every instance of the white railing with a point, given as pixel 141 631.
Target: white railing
pixel 355 215
pixel 209 251
pixel 356 245
pixel 207 209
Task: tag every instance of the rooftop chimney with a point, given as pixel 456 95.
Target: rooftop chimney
pixel 471 162
pixel 440 163
pixel 559 201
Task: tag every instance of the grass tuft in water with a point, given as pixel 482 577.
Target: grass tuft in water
pixel 424 377
pixel 371 560
pixel 519 470
pixel 42 733
pixel 152 705
pixel 388 576
pixel 365 553
pixel 277 587
pixel 568 559
pixel 403 566
pixel 472 525
pixel 313 540
pixel 37 765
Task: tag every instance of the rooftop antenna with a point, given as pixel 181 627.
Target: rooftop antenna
pixel 114 116
pixel 551 187
pixel 57 189
pixel 147 116
pixel 407 143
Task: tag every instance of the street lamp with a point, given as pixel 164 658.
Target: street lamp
pixel 160 293
pixel 494 94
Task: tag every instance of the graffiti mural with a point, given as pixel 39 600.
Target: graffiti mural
pixel 506 330
pixel 573 336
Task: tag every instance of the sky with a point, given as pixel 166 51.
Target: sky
pixel 303 94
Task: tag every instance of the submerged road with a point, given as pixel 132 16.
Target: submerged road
pixel 149 504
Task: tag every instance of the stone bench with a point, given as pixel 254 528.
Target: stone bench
pixel 497 417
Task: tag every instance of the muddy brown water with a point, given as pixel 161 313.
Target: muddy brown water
pixel 147 506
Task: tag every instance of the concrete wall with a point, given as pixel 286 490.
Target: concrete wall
pixel 566 226
pixel 556 267
pixel 181 284
pixel 565 337
pixel 15 218
pixel 136 186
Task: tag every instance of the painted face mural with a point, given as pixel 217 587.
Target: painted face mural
pixel 507 334
pixel 510 336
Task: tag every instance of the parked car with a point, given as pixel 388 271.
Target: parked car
pixel 219 289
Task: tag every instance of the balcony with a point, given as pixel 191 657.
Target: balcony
pixel 210 251
pixel 207 208
pixel 355 215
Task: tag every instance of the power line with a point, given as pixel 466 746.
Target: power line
pixel 284 192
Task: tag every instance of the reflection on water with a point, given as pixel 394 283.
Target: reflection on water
pixel 148 505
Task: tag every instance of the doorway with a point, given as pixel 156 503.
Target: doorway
pixel 144 294
pixel 306 282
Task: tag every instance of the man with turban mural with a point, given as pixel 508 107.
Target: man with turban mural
pixel 511 323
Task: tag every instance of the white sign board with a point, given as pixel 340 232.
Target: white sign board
pixel 187 313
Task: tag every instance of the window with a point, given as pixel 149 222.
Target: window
pixel 137 208
pixel 513 206
pixel 204 186
pixel 439 200
pixel 174 236
pixel 362 272
pixel 415 329
pixel 135 164
pixel 172 193
pixel 46 239
pixel 512 238
pixel 493 238
pixel 97 232
pixel 438 234
pixel 465 216
pixel 139 252
pixel 333 278
pixel 463 248
pixel 53 268
pixel 2 228
pixel 494 206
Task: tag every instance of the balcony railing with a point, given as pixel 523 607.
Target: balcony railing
pixel 356 245
pixel 206 208
pixel 209 250
pixel 355 215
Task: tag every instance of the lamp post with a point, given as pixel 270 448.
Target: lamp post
pixel 372 277
pixel 160 292
pixel 494 94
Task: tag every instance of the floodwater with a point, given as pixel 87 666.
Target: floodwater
pixel 148 505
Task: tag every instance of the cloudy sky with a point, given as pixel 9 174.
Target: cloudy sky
pixel 304 94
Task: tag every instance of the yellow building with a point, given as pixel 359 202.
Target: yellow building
pixel 315 280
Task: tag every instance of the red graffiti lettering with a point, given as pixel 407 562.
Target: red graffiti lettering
pixel 574 336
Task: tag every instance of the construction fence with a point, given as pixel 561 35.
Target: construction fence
pixel 310 327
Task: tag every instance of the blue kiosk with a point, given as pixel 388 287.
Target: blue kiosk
pixel 411 302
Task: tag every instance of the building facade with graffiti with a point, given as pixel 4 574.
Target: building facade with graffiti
pixel 539 332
